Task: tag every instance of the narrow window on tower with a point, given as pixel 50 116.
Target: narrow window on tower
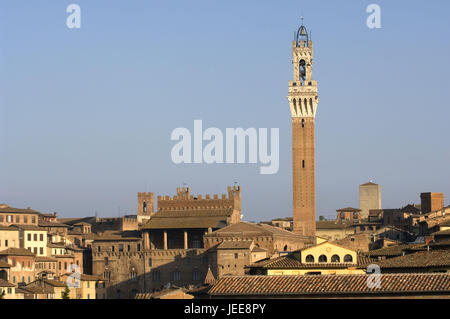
pixel 302 71
pixel 303 163
pixel 145 207
pixel 303 122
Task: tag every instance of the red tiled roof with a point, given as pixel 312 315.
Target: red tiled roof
pixel 16 252
pixel 241 244
pixel 329 284
pixel 8 209
pixel 4 264
pixel 348 209
pixel 4 283
pixel 422 259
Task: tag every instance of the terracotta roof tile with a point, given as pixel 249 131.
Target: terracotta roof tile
pixel 188 219
pixel 4 283
pixel 8 209
pixel 422 259
pixel 329 284
pixel 16 252
pixel 241 244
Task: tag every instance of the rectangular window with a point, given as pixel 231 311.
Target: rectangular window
pixel 176 276
pixel 41 250
pixel 9 219
pixel 129 248
pixel 156 276
pixel 303 163
pixel 41 237
pixel 6 243
pixel 112 248
pixel 65 265
pixel 120 247
pixel 35 250
pixel 35 237
pixel 25 219
pixel 1 218
pixel 138 247
pixel 17 219
pixel 150 262
pixel 196 276
pixel 33 219
pixel 29 237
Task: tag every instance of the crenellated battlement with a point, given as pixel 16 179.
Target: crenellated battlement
pixel 185 201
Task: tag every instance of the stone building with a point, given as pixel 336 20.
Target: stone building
pixel 9 237
pixel 323 259
pixel 33 238
pixel 45 267
pixel 22 263
pixel 369 198
pixel 10 215
pixel 303 100
pixel 8 290
pixel 430 202
pixel 348 213
pixel 169 247
pixel 182 221
pixel 236 246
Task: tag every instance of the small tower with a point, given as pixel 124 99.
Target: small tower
pixel 369 198
pixel 145 206
pixel 303 100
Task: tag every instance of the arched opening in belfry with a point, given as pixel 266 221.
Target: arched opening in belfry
pixel 295 106
pixel 302 69
pixel 3 275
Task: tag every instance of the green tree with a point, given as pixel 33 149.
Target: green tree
pixel 2 294
pixel 66 293
pixel 321 218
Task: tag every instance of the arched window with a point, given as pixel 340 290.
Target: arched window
pixel 322 259
pixel 303 122
pixel 335 259
pixel 348 258
pixel 310 259
pixel 285 248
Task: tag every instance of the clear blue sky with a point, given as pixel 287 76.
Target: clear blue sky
pixel 86 115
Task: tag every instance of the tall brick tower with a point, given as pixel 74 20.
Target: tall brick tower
pixel 303 101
